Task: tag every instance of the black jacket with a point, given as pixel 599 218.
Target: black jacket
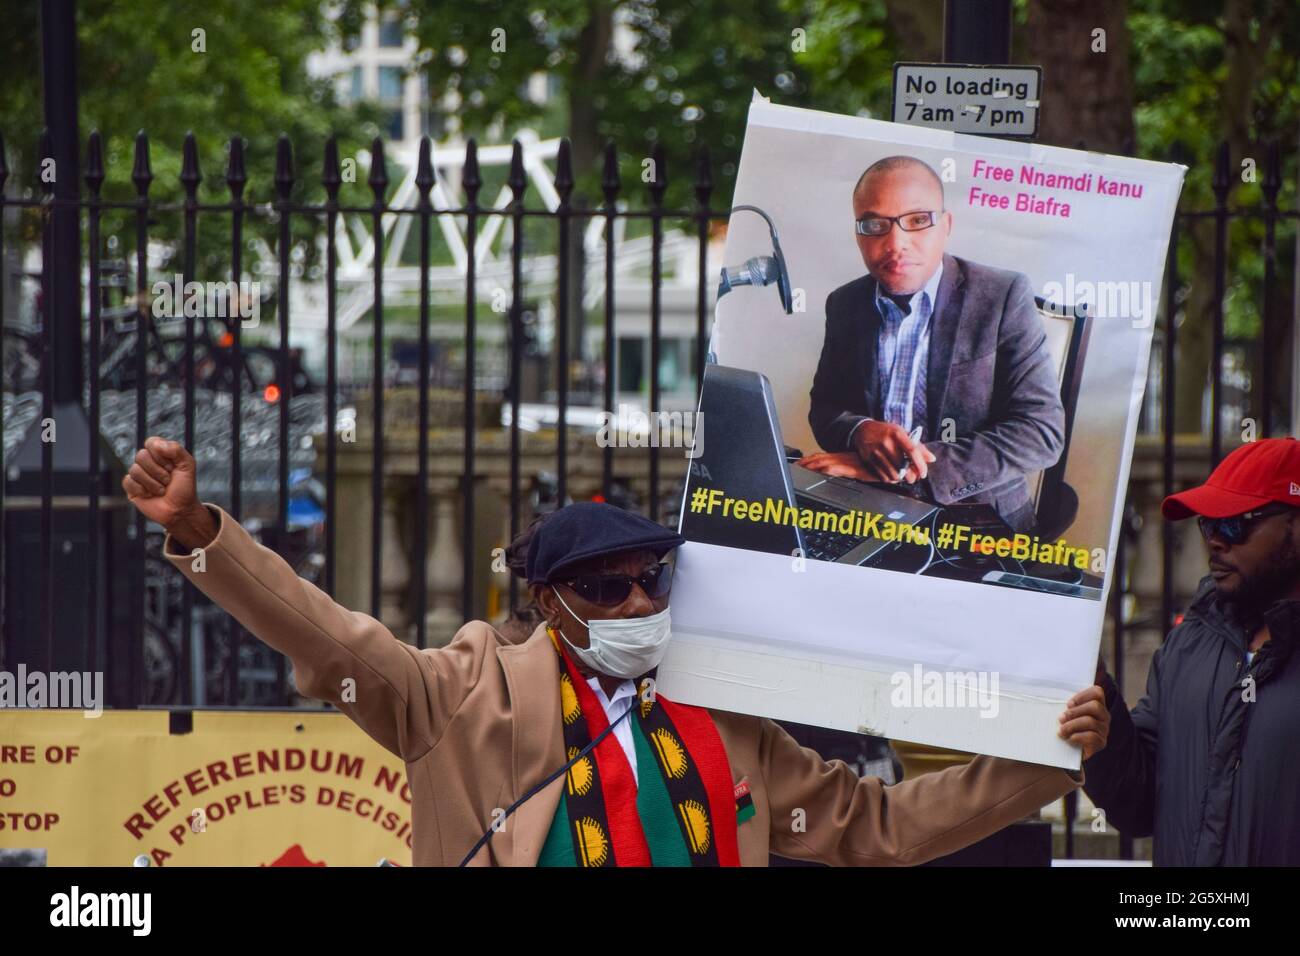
pixel 1212 775
pixel 989 374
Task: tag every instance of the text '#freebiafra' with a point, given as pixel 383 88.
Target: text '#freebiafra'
pixel 1020 547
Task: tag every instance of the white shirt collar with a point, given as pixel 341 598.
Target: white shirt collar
pixel 625 689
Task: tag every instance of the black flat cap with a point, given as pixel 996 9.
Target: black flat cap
pixel 591 529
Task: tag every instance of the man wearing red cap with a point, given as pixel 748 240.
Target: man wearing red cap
pixel 1206 762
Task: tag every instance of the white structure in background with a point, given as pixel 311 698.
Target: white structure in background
pixel 384 66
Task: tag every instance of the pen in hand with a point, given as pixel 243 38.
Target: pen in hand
pixel 914 435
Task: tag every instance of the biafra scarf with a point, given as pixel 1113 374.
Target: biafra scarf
pixel 684 811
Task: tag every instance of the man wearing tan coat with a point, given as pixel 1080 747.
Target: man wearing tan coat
pixel 481 722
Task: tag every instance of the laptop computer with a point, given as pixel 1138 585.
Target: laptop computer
pixel 743 456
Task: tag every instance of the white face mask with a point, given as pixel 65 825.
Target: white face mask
pixel 622 647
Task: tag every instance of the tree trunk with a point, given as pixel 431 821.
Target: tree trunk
pixel 1087 96
pixel 918 28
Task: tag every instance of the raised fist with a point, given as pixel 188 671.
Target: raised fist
pixel 162 482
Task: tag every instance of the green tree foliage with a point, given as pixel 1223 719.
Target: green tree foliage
pixel 684 79
pixel 1208 71
pixel 140 67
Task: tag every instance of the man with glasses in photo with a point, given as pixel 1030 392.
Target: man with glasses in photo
pixel 1207 762
pixel 927 347
pixel 558 751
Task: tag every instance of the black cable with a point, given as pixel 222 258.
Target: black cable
pixel 487 835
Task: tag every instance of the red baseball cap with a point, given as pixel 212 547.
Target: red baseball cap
pixel 1256 474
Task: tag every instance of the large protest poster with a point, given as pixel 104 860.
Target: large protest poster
pixel 931 351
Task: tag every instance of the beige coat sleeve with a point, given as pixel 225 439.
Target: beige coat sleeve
pixel 852 821
pixel 400 696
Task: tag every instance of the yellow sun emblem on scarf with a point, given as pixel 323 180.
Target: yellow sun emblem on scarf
pixel 593 844
pixel 569 706
pixel 581 774
pixel 695 820
pixel 672 755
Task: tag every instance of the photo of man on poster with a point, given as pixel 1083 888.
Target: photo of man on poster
pixel 934 372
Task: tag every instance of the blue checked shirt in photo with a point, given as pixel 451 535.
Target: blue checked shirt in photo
pixel 901 354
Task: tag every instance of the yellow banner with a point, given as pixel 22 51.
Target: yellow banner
pixel 241 789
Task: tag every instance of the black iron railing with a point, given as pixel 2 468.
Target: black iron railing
pixel 155 369
pixel 211 367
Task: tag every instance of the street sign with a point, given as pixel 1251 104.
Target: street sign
pixel 966 98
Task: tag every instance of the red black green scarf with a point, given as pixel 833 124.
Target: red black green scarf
pixel 682 814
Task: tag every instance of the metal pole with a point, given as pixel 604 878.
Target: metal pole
pixel 977 31
pixel 1221 184
pixel 60 269
pixel 1295 348
pixel 63 307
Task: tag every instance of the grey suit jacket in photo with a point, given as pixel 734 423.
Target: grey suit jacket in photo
pixel 988 371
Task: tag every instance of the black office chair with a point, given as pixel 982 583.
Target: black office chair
pixel 1055 502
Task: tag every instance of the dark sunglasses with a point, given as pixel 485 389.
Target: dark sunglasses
pixel 1236 529
pixel 611 590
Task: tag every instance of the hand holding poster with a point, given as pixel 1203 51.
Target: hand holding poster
pixel 904 513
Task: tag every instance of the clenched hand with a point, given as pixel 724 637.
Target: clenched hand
pixel 162 484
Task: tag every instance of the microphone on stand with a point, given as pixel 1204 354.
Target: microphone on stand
pixel 756 271
pixel 761 270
